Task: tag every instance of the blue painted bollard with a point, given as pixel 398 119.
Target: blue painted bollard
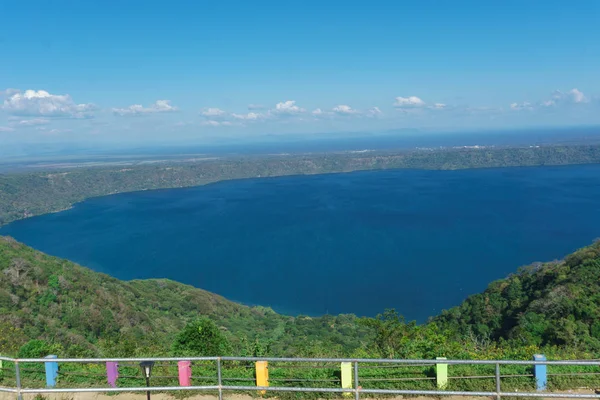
pixel 540 372
pixel 51 372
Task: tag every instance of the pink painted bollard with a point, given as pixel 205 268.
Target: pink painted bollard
pixel 112 373
pixel 185 373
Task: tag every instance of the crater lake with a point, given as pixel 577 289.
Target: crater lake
pixel 414 240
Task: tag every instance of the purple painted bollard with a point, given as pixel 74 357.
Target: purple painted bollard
pixel 185 373
pixel 112 373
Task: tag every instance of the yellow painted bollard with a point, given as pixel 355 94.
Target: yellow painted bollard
pixel 262 375
pixel 346 369
pixel 441 374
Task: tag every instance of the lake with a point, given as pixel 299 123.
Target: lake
pixel 416 241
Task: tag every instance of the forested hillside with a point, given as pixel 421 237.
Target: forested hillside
pixel 26 194
pixel 546 307
pixel 44 297
pixel 555 303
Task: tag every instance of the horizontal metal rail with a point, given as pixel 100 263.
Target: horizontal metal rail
pixel 354 388
pixel 289 359
pixel 307 390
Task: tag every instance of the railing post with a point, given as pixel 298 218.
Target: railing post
pixel 51 371
pixel 356 388
pixel 497 381
pixel 441 374
pixel 346 377
pixel 262 375
pixel 184 370
pixel 540 372
pixel 112 373
pixel 18 378
pixel 219 378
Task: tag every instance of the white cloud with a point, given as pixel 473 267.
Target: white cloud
pixel 6 129
pixel 9 92
pixel 251 116
pixel 577 96
pixel 253 107
pixel 439 106
pixel 572 96
pixel 210 123
pixel 482 110
pixel 344 109
pixel 43 104
pixel 374 112
pixel 408 102
pixel 288 107
pixel 33 122
pixel 160 106
pixel 557 99
pixel 521 106
pixel 548 103
pixel 317 112
pixel 213 112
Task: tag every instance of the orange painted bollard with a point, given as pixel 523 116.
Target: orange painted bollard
pixel 262 375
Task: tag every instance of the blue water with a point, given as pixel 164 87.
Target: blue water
pixel 417 241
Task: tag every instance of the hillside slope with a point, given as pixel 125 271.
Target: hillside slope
pixel 54 299
pixel 89 313
pixel 26 194
pixel 555 303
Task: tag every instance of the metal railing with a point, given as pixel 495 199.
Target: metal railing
pixel 361 383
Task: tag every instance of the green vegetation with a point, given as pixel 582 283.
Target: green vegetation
pixel 52 306
pixel 89 313
pixel 556 303
pixel 26 194
pixel 201 338
pixel 553 305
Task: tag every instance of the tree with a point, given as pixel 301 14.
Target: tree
pixel 389 328
pixel 38 349
pixel 11 338
pixel 201 338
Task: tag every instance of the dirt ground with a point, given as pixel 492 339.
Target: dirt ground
pixel 162 396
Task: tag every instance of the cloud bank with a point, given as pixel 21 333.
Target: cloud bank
pixel 41 103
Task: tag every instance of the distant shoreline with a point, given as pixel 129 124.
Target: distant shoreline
pixel 27 194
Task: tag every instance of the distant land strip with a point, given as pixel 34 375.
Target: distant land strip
pixel 23 195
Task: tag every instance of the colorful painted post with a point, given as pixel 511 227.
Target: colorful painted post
pixel 441 374
pixel 112 373
pixel 540 372
pixel 346 370
pixel 262 375
pixel 185 373
pixel 51 371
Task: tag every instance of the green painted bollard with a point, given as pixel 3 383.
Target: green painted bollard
pixel 346 376
pixel 441 374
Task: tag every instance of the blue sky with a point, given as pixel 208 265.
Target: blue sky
pixel 144 71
